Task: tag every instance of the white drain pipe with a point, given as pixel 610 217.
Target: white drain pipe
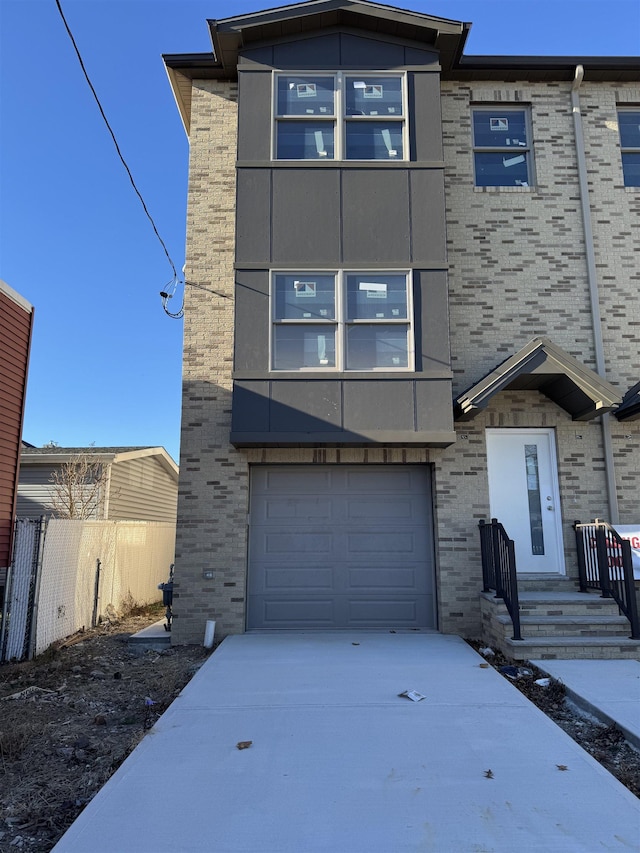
pixel 209 633
pixel 609 465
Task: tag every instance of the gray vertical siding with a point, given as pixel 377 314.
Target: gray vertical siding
pixel 338 215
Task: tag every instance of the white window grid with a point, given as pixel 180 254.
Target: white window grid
pixel 527 149
pixel 340 324
pixel 340 119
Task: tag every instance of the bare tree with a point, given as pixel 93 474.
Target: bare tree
pixel 78 488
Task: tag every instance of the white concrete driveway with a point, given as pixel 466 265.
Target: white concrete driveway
pixel 339 762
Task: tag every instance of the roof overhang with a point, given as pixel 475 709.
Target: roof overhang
pixel 31 455
pixel 10 293
pixel 613 69
pixel 230 35
pixel 543 366
pixel 27 459
pixel 159 453
pixel 630 408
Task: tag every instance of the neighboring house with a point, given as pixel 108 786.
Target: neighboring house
pixel 411 304
pixel 16 322
pixel 139 483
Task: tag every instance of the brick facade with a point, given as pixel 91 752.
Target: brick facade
pixel 517 270
pixel 212 500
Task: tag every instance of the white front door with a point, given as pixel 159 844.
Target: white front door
pixel 524 496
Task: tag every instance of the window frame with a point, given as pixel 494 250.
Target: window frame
pixel 340 119
pixel 341 322
pixel 527 150
pixel 627 149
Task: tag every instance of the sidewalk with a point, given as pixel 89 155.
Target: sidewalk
pixel 339 763
pixel 608 689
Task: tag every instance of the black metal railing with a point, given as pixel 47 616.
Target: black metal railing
pixel 605 563
pixel 499 569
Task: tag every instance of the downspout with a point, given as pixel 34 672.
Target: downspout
pixel 106 485
pixel 609 468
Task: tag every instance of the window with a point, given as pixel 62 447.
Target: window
pixel 341 321
pixel 502 147
pixel 340 117
pixel 629 124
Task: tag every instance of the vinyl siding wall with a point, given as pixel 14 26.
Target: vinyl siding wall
pixel 35 490
pixel 15 333
pixel 142 489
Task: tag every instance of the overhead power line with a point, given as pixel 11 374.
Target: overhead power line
pixel 166 294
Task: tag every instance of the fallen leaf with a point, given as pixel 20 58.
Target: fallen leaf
pixel 244 744
pixel 562 766
pixel 488 774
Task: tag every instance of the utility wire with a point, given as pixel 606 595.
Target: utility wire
pixel 167 294
pixel 174 281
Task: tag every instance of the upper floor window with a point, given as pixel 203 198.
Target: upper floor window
pixel 340 117
pixel 629 124
pixel 502 147
pixel 341 321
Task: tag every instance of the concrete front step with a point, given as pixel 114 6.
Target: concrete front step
pixel 546 582
pixel 573 648
pixel 152 637
pixel 566 604
pixel 562 626
pixel 557 624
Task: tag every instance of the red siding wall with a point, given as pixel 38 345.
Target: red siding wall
pixel 15 338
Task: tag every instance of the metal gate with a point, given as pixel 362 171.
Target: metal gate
pixel 17 635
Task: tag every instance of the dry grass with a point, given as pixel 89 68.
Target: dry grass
pixel 80 711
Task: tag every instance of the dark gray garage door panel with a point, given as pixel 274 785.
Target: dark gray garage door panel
pixel 340 546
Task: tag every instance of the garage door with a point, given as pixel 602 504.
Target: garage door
pixel 338 546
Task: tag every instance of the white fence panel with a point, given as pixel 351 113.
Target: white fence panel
pixel 56 607
pixel 143 557
pixel 134 558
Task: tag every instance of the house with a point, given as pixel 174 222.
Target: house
pixel 411 306
pixel 16 323
pixel 138 483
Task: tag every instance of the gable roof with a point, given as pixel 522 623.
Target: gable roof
pixel 229 35
pixel 52 455
pixel 543 366
pixel 448 37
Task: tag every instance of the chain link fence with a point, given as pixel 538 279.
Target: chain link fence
pixel 67 574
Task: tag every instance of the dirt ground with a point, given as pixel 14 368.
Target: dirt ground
pixel 69 718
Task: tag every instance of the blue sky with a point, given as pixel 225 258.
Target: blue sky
pixel 106 361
